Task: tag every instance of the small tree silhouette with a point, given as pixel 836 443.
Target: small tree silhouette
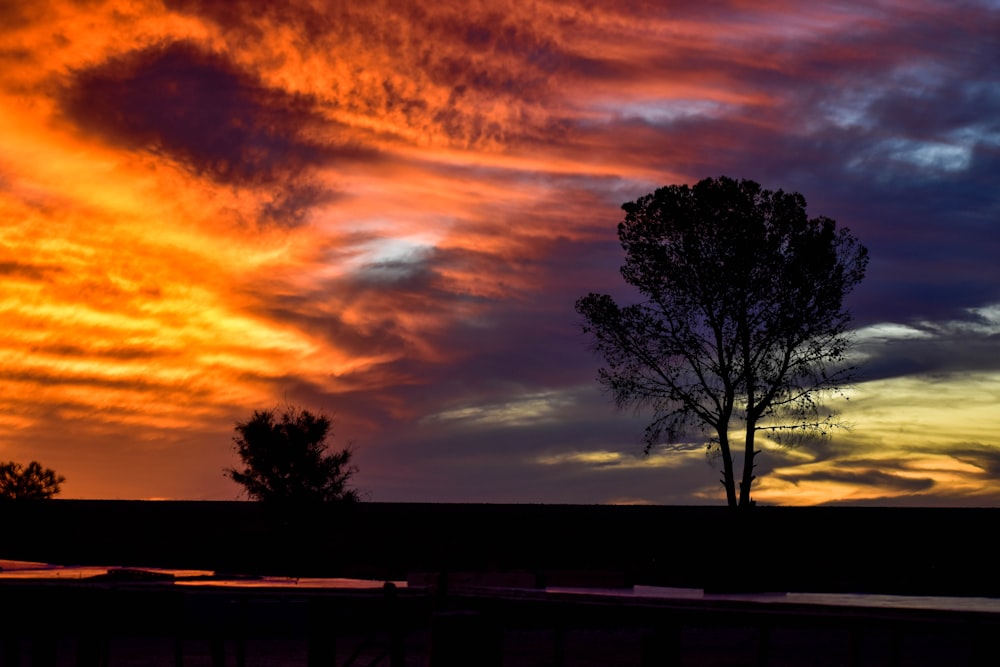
pixel 28 483
pixel 286 460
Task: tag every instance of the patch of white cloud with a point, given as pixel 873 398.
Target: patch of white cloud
pixel 927 156
pixel 393 250
pixel 387 257
pixel 930 155
pixel 598 458
pixel 983 321
pixel 850 109
pixel 666 111
pixel 889 331
pixel 936 156
pixel 528 410
pixel 983 324
pixel 620 460
pixel 986 322
pixel 976 135
pixel 950 152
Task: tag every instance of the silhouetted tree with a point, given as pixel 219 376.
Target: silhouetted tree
pixel 742 317
pixel 28 483
pixel 286 462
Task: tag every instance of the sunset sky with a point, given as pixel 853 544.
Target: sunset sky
pixel 385 210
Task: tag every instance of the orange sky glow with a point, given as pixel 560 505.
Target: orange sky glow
pixel 385 211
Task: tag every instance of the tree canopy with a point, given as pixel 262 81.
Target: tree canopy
pixel 28 483
pixel 741 320
pixel 286 459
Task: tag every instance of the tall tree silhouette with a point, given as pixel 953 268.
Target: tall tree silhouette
pixel 28 483
pixel 741 318
pixel 286 459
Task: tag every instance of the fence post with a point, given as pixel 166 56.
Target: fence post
pixel 322 644
pixel 763 644
pixel 463 638
pixel 662 648
pixel 394 626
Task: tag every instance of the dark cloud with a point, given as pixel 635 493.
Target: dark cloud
pixel 291 201
pixel 200 109
pixel 495 67
pixel 983 456
pixel 118 352
pixel 28 270
pixel 898 482
pixel 387 290
pixel 374 338
pixel 163 390
pixel 519 336
pixel 863 478
pixel 956 347
pixel 18 14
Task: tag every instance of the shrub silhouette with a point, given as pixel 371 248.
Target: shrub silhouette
pixel 286 460
pixel 28 483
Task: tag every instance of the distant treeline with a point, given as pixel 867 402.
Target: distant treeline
pixel 887 550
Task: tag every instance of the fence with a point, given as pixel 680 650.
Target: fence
pixel 85 624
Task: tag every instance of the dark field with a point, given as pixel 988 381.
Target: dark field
pixel 143 623
pixel 882 550
pixel 99 623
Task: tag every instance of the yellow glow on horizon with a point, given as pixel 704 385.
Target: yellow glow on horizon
pixel 907 428
pixel 926 411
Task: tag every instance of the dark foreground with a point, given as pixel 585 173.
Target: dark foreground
pixel 878 550
pixel 98 623
pixel 482 599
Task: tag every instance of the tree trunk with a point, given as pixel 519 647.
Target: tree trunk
pixel 748 466
pixel 728 473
